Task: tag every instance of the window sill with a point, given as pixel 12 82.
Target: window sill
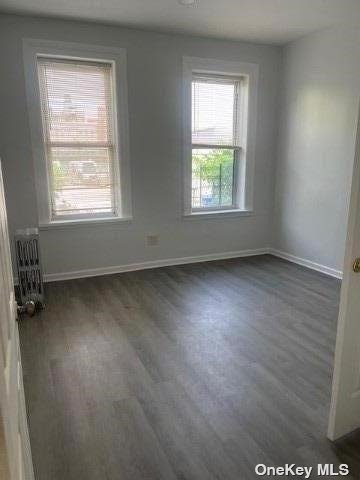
pixel 218 214
pixel 86 222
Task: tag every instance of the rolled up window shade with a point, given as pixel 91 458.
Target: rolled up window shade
pixel 78 118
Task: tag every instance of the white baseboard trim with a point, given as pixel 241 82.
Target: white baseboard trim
pixel 94 272
pixel 307 263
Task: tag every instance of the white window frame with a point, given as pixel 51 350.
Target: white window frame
pixel 247 109
pixel 32 50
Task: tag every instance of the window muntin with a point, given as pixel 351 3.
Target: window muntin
pixel 77 104
pixel 215 141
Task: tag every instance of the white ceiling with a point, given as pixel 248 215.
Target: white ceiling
pixel 266 21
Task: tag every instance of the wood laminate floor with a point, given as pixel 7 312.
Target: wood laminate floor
pixel 194 372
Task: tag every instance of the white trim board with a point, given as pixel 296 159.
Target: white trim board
pixel 307 263
pixel 94 272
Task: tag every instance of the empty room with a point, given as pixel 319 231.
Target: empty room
pixel 179 239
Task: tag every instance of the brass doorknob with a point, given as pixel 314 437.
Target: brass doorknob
pixel 356 265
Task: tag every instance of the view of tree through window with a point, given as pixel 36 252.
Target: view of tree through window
pixel 212 178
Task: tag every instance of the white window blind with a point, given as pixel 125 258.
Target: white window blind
pixel 214 110
pixel 78 125
pixel 215 141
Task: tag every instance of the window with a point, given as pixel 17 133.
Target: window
pixel 78 125
pixel 218 143
pixel 78 117
pixel 215 141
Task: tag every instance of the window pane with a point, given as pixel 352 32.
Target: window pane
pixel 212 178
pixel 81 180
pixel 77 113
pixel 213 106
pixel 76 101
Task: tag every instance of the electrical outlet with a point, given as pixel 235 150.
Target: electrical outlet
pixel 152 240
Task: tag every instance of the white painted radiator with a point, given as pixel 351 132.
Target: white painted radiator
pixel 29 266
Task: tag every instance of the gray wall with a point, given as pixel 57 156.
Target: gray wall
pixel 320 93
pixel 154 82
